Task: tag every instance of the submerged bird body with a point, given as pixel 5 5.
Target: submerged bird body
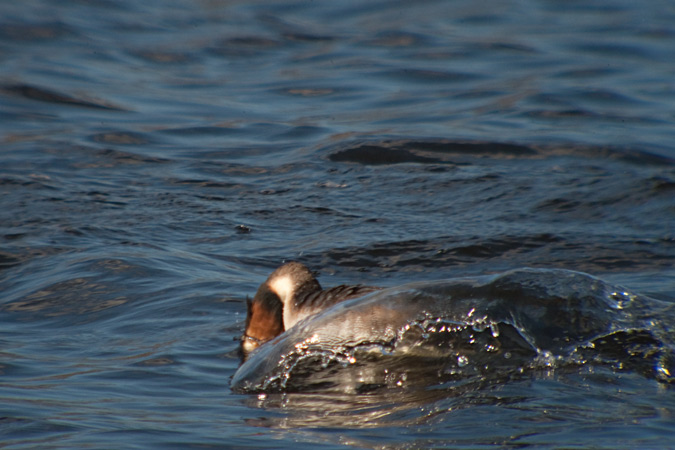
pixel 290 294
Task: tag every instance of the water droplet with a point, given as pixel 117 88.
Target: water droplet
pixel 402 380
pixel 481 324
pixel 462 360
pixel 665 367
pixel 546 358
pixel 621 299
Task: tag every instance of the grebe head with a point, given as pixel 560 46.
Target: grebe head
pixel 275 305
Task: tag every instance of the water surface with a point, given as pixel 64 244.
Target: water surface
pixel 159 159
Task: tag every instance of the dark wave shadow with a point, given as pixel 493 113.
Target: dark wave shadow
pixel 447 151
pixel 41 94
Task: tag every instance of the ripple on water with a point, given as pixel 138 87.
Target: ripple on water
pixel 160 158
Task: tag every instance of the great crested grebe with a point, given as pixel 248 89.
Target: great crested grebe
pixel 290 294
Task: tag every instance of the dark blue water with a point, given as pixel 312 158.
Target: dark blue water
pixel 159 159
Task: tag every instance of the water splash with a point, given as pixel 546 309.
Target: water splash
pixel 424 334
